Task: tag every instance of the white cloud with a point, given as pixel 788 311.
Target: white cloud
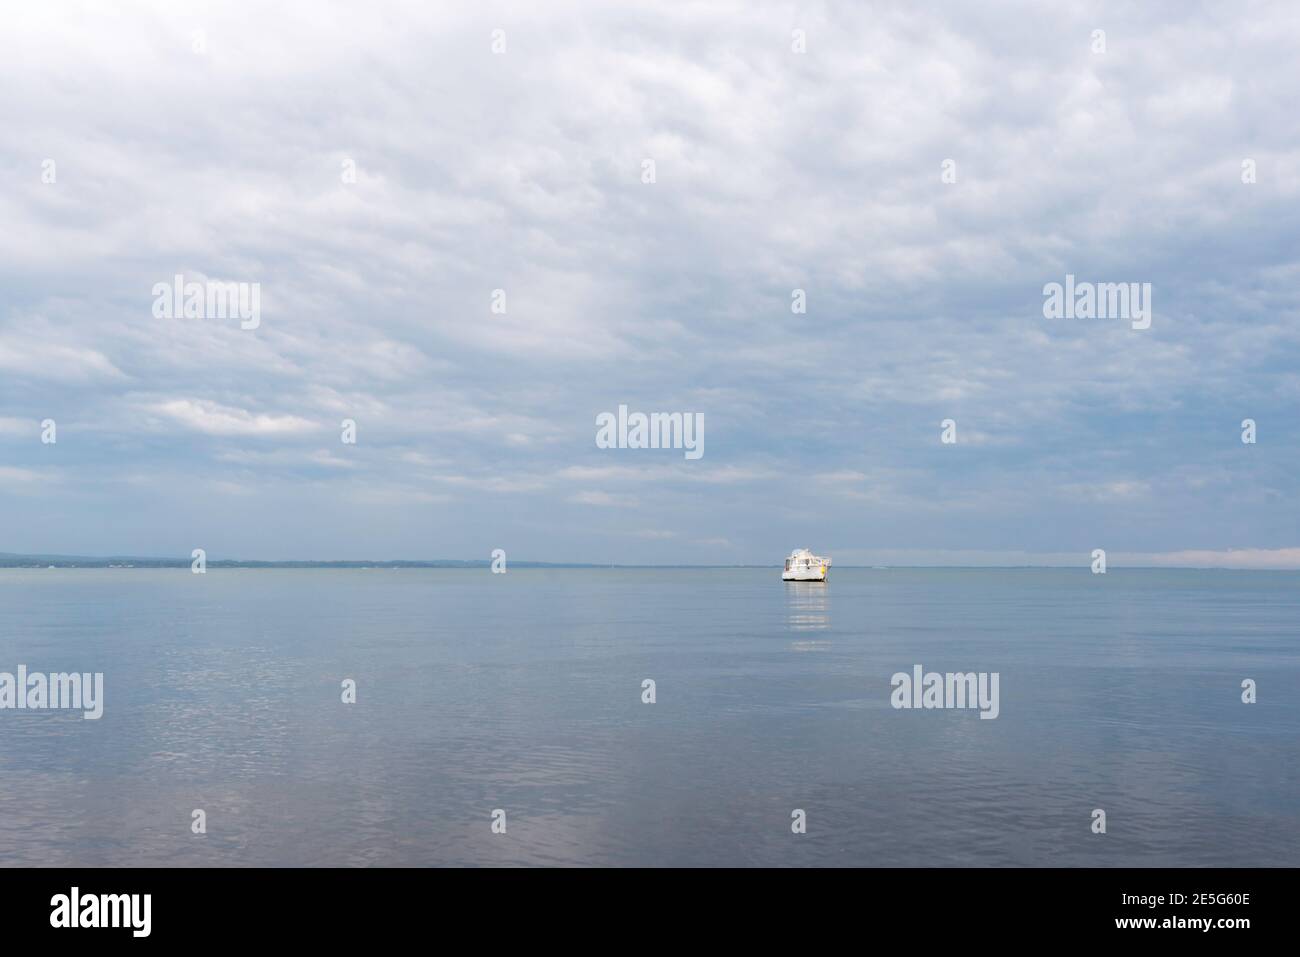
pixel 603 499
pixel 19 427
pixel 35 359
pixel 1278 558
pixel 9 474
pixel 214 419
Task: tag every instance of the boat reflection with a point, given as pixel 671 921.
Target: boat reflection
pixel 807 606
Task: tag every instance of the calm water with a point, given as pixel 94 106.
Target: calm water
pixel 523 692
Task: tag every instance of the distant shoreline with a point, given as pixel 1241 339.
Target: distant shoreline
pixel 128 562
pixel 8 560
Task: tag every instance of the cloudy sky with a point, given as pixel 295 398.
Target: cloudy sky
pixel 215 141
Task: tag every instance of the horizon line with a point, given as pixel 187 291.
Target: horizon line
pixel 38 560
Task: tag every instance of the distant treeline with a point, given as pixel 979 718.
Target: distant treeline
pixel 80 561
pixel 8 560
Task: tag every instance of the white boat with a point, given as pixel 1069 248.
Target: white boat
pixel 804 566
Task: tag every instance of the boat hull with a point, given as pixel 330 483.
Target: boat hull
pixel 815 574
